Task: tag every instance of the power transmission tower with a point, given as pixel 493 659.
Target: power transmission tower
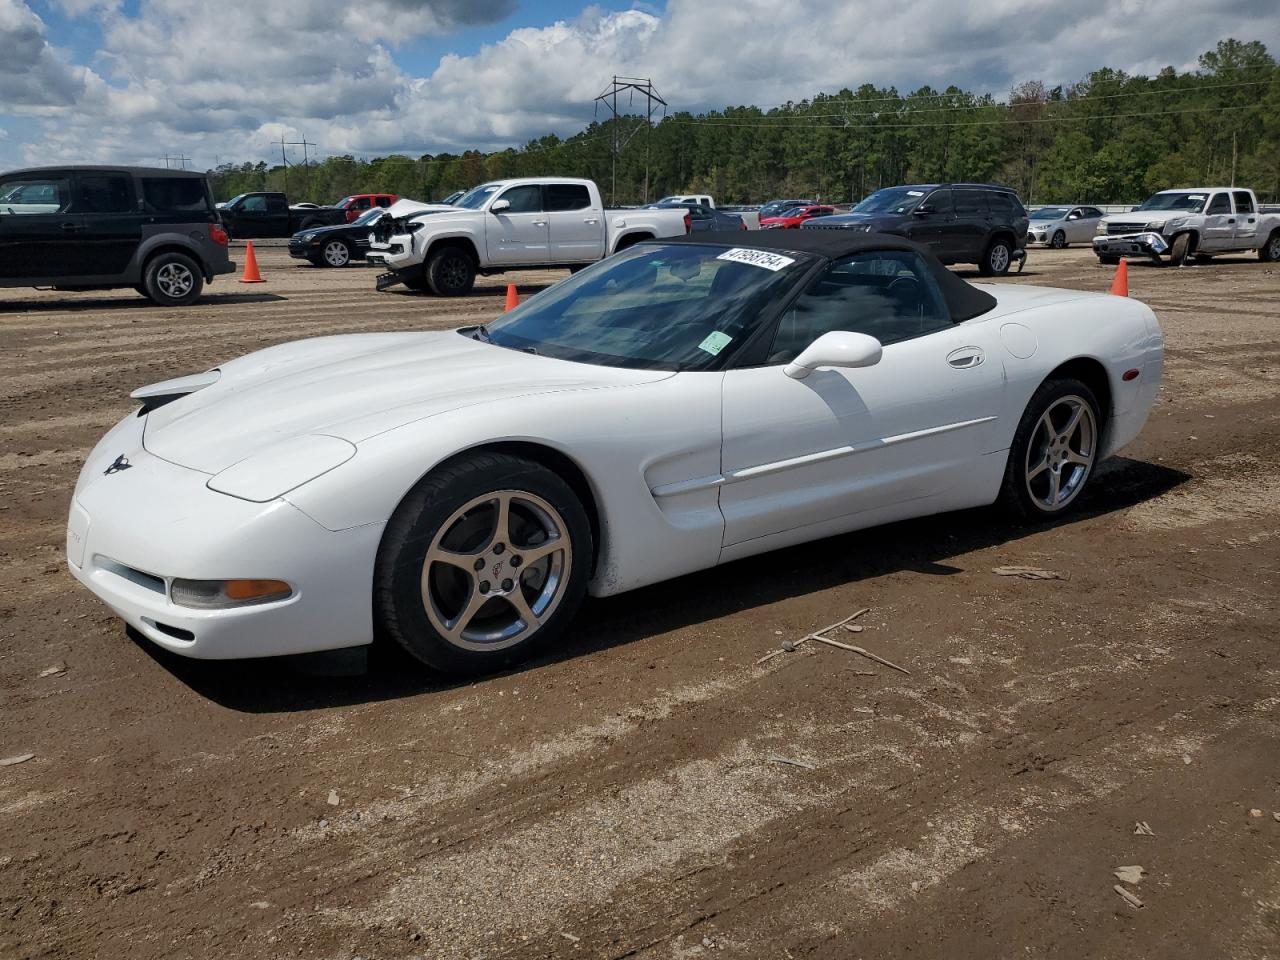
pixel 644 87
pixel 180 160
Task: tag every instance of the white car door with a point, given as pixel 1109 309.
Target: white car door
pixel 519 232
pixel 577 228
pixel 1246 235
pixel 810 453
pixel 1219 224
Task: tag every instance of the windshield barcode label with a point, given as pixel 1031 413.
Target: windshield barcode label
pixel 757 258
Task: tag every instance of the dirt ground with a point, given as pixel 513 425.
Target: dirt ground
pixel 627 797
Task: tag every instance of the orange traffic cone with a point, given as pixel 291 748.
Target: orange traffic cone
pixel 1120 285
pixel 251 274
pixel 513 298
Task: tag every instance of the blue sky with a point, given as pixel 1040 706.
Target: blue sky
pixel 130 80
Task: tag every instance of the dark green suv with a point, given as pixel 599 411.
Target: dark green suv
pixel 100 228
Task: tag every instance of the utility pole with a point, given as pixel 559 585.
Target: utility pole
pixel 1233 158
pixel 643 86
pixel 284 161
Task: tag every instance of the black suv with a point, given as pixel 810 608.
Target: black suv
pixel 978 223
pixel 98 228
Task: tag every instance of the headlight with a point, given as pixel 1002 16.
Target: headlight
pixel 274 472
pixel 221 594
pixel 1173 224
pixel 308 237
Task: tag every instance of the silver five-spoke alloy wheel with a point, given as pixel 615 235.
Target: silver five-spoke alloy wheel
pixel 496 570
pixel 175 280
pixel 1061 453
pixel 336 253
pixel 999 258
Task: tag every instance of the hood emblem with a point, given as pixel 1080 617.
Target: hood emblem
pixel 119 465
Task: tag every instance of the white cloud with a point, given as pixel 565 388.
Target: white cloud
pixel 169 77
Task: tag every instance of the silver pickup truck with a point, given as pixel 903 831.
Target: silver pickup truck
pixel 1174 225
pixel 526 224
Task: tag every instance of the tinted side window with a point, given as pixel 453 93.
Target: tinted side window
pixel 164 194
pixel 33 195
pixel 970 203
pixel 888 294
pixel 384 201
pixel 524 199
pixel 103 194
pixel 566 196
pixel 276 205
pixel 1244 202
pixel 941 201
pixel 1004 206
pixel 253 205
pixel 1221 203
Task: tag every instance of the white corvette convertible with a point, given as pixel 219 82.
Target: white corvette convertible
pixel 681 404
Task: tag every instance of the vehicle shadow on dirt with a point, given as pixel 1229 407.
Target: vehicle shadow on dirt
pixel 925 545
pixel 129 303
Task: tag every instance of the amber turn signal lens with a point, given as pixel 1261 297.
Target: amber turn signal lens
pixel 220 594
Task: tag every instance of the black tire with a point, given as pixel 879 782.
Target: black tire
pixel 1179 249
pixel 1016 491
pixel 430 511
pixel 1269 252
pixel 997 258
pixel 451 272
pixel 335 253
pixel 1058 241
pixel 172 280
pixel 1108 259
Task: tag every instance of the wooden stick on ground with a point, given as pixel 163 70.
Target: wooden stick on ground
pixel 859 650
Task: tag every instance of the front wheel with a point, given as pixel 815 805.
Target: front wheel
pixel 1179 250
pixel 172 280
pixel 1108 259
pixel 483 563
pixel 1059 241
pixel 451 272
pixel 335 253
pixel 995 262
pixel 1054 451
pixel 1269 252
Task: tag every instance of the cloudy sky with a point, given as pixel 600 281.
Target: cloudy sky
pixel 132 80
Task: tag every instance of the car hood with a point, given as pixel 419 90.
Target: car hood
pixel 336 228
pixel 1146 216
pixel 849 220
pixel 354 387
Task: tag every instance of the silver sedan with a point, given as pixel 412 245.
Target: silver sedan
pixel 1058 226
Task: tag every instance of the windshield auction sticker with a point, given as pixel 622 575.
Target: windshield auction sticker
pixel 757 258
pixel 715 342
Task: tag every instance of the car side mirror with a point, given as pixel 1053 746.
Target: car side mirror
pixel 499 205
pixel 925 208
pixel 839 348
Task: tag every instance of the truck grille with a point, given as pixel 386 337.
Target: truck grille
pixel 1114 228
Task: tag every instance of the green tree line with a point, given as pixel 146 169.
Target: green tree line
pixel 1110 138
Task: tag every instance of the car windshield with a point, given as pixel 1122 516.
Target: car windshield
pixel 476 197
pixel 344 201
pixel 892 200
pixel 234 200
pixel 1193 202
pixel 1049 213
pixel 368 216
pixel 654 307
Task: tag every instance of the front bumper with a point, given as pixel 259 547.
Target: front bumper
pixel 1146 244
pixel 1039 236
pixel 395 254
pixel 303 251
pixel 131 532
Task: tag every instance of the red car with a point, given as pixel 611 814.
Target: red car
pixel 795 216
pixel 360 202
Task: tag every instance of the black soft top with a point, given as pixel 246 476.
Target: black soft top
pixel 964 301
pixel 106 168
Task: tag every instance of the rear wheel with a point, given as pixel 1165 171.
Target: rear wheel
pixel 172 280
pixel 1269 252
pixel 335 253
pixel 483 563
pixel 995 262
pixel 451 272
pixel 1054 451
pixel 1058 241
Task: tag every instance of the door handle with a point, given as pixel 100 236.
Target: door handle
pixel 72 227
pixel 539 223
pixel 591 220
pixel 965 358
pixel 1232 220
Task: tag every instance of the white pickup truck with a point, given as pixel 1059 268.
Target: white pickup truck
pixel 524 224
pixel 1197 222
